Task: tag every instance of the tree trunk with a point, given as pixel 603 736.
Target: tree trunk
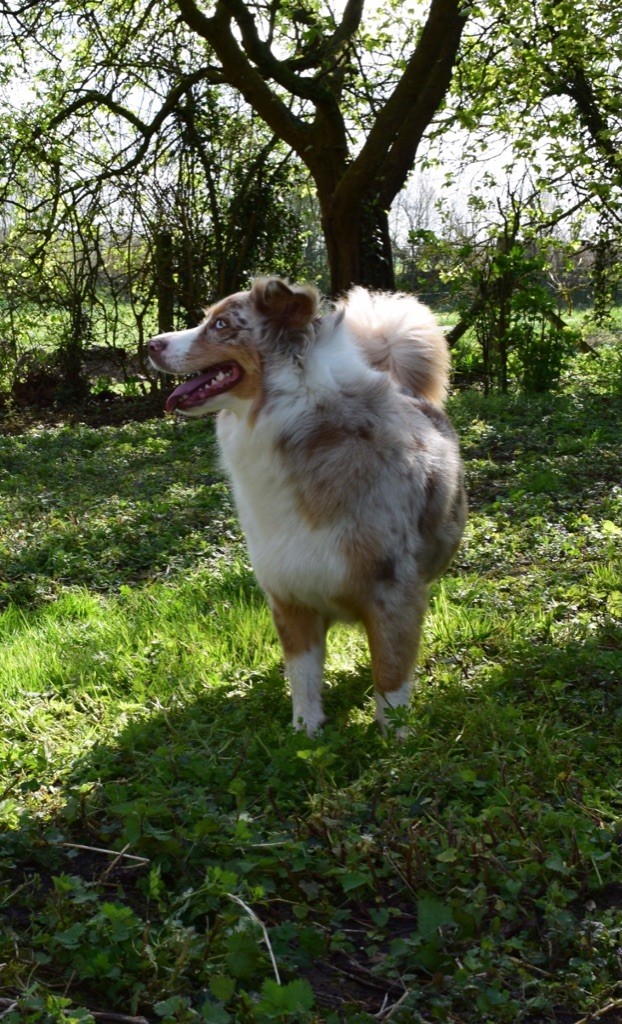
pixel 165 281
pixel 358 247
pixel 375 246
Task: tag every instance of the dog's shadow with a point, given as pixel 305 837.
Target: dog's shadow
pixel 180 778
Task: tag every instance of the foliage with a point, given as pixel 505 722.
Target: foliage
pixel 520 333
pixel 318 84
pixel 509 283
pixel 552 69
pixel 119 256
pixel 534 102
pixel 171 848
pixel 542 350
pixel 136 190
pixel 606 273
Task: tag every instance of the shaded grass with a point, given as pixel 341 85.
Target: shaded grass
pixel 470 873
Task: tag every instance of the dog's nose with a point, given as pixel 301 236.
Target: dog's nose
pixel 157 345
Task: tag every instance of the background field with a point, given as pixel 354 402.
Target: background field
pixel 170 849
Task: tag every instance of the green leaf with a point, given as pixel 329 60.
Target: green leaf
pixel 295 997
pixel 71 937
pixel 244 955
pixel 447 856
pixel 432 914
pixel 212 1013
pixel 353 880
pixel 222 987
pixel 556 863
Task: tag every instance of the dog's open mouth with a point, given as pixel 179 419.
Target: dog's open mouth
pixel 218 379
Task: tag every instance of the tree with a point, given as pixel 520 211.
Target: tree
pixel 103 236
pixel 542 80
pixel 355 123
pixel 320 74
pixel 534 106
pixel 352 95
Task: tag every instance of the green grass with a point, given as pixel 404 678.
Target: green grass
pixel 168 845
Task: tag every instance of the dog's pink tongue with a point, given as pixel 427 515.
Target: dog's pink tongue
pixel 186 389
pixel 199 390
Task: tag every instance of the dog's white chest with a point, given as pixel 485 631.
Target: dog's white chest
pixel 293 560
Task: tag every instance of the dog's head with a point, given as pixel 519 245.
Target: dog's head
pixel 228 350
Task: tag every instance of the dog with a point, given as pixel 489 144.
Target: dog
pixel 345 469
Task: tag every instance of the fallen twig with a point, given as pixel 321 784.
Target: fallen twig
pixel 251 913
pixel 117 854
pixel 8 1005
pixel 117 1018
pixel 615 1004
pixel 386 1012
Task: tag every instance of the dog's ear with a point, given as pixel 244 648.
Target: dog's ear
pixel 286 306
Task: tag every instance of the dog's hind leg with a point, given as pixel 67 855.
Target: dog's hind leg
pixel 302 633
pixel 394 634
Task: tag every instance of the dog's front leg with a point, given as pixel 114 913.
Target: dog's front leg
pixel 305 679
pixel 303 637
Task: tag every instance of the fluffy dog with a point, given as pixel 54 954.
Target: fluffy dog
pixel 345 469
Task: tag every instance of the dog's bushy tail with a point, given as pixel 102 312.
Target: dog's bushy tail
pixel 401 336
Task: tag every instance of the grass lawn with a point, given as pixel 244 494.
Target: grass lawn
pixel 172 851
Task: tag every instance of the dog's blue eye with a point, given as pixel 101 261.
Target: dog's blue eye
pixel 219 324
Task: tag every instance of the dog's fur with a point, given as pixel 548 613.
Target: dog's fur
pixel 345 469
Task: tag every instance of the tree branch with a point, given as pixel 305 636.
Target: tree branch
pixel 105 99
pixel 240 73
pixel 576 85
pixel 261 55
pixel 399 126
